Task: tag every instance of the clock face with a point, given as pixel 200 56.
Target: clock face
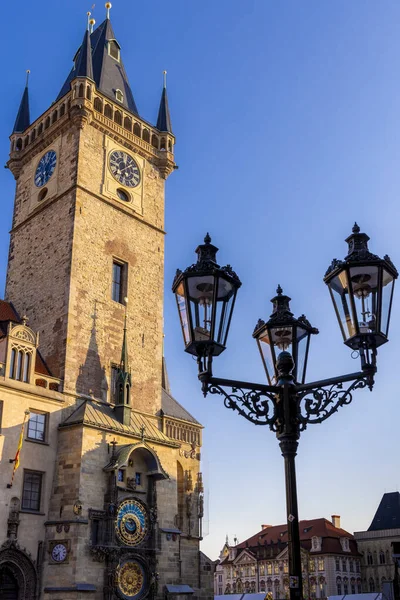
pixel 131 580
pixel 59 553
pixel 45 168
pixel 124 168
pixel 132 523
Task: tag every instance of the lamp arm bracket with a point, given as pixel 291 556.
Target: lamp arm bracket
pixel 333 381
pixel 317 404
pixel 256 403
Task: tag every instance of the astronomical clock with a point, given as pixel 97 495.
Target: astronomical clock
pixel 124 533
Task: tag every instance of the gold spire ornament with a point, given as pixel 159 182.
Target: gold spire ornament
pixel 88 20
pixel 92 23
pixel 165 78
pixel 28 72
pixel 108 6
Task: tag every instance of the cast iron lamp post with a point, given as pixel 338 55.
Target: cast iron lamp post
pixel 361 287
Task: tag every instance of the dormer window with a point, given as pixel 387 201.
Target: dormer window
pixel 22 344
pixel 114 49
pixel 316 543
pixel 345 543
pixel 119 96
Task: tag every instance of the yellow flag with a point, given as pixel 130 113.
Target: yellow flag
pixel 16 460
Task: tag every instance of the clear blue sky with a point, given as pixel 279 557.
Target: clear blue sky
pixel 287 123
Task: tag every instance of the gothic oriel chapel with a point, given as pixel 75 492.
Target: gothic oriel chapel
pixel 101 494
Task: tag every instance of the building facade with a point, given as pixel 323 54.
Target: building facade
pixel 377 544
pixel 101 490
pixel 331 563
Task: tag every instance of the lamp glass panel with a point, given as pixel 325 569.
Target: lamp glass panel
pixel 365 283
pixel 340 296
pixel 225 289
pixel 201 311
pixel 181 302
pixel 201 287
pixel 224 310
pixel 387 293
pixel 267 357
pixel 302 339
pixel 282 338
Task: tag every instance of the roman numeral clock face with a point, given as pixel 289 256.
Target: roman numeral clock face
pixel 45 168
pixel 124 169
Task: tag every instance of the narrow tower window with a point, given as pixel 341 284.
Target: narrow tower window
pixel 119 95
pixel 118 281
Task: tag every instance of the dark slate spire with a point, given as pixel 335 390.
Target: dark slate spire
pixel 164 118
pixel 23 119
pixel 108 69
pixel 388 514
pixel 84 64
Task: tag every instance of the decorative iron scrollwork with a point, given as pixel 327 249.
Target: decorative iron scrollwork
pixel 314 406
pixel 261 405
pixel 258 407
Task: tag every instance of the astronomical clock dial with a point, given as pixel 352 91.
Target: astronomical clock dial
pixel 59 553
pixel 45 168
pixel 132 522
pixel 131 580
pixel 124 169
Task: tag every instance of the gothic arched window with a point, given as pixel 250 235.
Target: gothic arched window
pixel 98 105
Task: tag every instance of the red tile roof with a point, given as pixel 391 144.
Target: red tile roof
pixel 270 541
pixel 8 312
pixel 318 527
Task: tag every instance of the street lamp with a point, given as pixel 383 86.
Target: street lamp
pixel 361 287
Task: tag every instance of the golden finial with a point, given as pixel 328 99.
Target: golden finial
pixel 108 6
pixel 92 23
pixel 88 19
pixel 28 71
pixel 165 78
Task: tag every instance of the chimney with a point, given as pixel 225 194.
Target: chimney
pixel 336 521
pixel 265 526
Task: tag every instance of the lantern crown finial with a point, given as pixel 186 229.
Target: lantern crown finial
pixel 356 228
pixel 206 253
pixel 281 307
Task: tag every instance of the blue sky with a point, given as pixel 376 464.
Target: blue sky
pixel 287 123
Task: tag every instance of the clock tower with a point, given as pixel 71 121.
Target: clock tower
pixel 88 226
pixel 105 492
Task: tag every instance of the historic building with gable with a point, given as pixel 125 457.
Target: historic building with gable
pixel 331 562
pixel 101 490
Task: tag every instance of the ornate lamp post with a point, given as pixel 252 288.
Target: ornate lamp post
pixel 361 287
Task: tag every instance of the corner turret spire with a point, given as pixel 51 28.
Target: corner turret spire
pixel 23 119
pixel 164 118
pixel 84 63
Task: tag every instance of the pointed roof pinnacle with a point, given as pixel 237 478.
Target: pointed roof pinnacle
pixel 124 352
pixel 23 119
pixel 164 118
pixel 84 63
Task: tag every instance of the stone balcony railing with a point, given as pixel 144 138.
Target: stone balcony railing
pixel 39 380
